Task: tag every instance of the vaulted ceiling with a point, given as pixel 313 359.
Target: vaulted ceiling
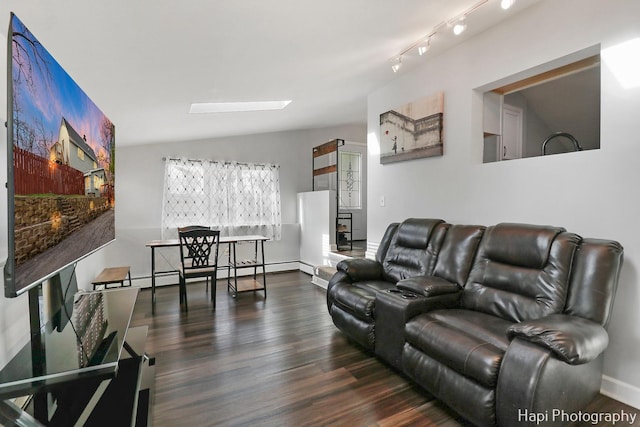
pixel 143 62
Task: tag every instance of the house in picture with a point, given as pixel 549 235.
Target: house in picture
pixel 72 150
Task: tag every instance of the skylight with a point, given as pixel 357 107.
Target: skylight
pixel 232 107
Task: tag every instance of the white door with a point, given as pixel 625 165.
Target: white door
pixel 511 133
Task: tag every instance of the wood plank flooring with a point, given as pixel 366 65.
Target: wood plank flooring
pixel 274 362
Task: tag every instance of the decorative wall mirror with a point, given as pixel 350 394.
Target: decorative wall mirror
pixel 552 109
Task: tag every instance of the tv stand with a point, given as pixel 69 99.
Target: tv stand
pixel 117 400
pixel 70 387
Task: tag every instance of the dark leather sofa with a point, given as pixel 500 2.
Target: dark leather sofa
pixel 501 323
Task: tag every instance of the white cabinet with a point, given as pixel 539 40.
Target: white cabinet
pixel 511 133
pixel 502 129
pixel 492 113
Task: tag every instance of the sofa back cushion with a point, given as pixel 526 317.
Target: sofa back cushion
pixel 386 241
pixel 458 252
pixel 414 248
pixel 594 279
pixel 521 272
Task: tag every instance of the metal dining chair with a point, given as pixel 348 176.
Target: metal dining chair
pixel 199 258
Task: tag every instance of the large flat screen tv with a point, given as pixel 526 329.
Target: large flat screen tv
pixel 60 167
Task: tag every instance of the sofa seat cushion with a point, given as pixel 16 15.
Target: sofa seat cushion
pixel 359 298
pixel 468 342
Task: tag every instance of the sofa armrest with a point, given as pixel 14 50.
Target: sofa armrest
pixel 359 269
pixel 572 339
pixel 533 380
pixel 428 286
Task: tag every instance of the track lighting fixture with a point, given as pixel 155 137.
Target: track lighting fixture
pixel 396 66
pixel 457 24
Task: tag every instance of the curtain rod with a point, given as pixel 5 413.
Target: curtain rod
pixel 220 161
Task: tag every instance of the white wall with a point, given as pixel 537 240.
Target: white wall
pixel 593 193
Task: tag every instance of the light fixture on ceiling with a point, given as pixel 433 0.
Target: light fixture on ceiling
pixel 506 4
pixel 459 26
pixel 233 107
pixel 396 65
pixel 424 47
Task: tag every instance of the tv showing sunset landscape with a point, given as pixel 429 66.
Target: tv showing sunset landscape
pixel 61 166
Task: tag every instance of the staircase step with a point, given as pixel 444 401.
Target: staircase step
pixel 324 272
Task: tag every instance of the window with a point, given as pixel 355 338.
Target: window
pixel 350 180
pixel 97 182
pixel 80 153
pixel 238 199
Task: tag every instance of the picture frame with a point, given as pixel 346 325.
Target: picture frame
pixel 413 130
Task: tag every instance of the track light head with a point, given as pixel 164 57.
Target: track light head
pixel 396 66
pixel 506 4
pixel 424 47
pixel 459 27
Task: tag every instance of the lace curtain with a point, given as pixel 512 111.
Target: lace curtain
pixel 237 199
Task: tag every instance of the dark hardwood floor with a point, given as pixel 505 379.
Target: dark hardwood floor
pixel 275 362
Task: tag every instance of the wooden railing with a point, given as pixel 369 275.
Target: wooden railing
pixel 36 175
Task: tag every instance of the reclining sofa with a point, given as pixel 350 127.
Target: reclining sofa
pixel 500 323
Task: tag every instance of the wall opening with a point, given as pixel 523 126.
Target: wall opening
pixel 551 109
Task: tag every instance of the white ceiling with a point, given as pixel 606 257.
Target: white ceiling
pixel 570 104
pixel 144 61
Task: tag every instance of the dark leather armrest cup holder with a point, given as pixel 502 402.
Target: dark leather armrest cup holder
pixel 402 294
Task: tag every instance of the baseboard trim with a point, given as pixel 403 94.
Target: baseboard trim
pixel 311 270
pixel 319 282
pixel 306 268
pixel 620 391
